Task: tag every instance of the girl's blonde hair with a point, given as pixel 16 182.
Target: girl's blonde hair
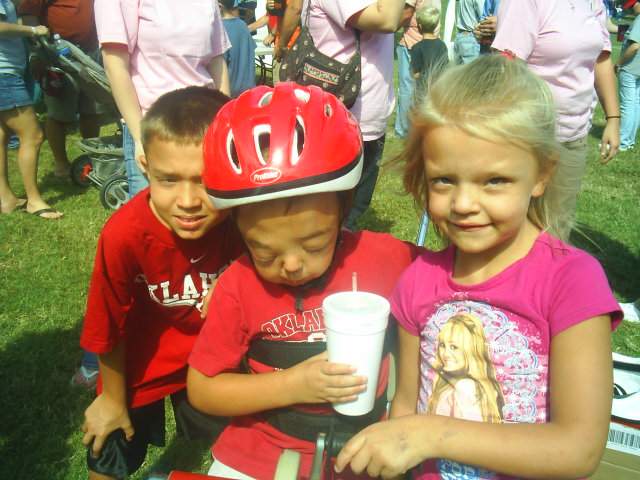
pixel 495 98
pixel 466 331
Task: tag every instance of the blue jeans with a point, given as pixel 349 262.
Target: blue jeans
pixel 629 108
pixel 405 91
pixel 466 48
pixel 89 360
pixel 135 177
pixel 364 190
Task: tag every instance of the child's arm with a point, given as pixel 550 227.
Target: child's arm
pixel 313 381
pixel 108 412
pixel 408 369
pixel 568 446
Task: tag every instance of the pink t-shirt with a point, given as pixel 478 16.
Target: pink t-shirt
pixel 560 40
pixel 170 43
pixel 332 36
pixel 506 323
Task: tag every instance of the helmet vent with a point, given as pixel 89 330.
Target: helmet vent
pixel 262 142
pixel 328 111
pixel 232 154
pixel 302 95
pixel 298 140
pixel 265 99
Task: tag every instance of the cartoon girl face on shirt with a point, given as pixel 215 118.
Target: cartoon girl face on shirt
pixel 465 384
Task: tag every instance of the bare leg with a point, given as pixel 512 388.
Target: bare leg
pixel 57 137
pixel 8 200
pixel 22 120
pixel 89 125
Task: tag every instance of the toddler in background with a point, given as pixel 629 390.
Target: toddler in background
pixel 429 56
pixel 504 336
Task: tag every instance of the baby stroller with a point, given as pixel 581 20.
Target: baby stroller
pixel 102 159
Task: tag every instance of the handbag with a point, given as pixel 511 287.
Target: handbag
pixel 306 65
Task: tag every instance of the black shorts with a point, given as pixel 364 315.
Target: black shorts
pixel 119 457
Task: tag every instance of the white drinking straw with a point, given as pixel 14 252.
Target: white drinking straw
pixel 354 281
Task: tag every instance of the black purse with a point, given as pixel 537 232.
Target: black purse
pixel 306 65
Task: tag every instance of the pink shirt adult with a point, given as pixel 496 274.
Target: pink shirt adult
pixel 561 41
pixel 519 311
pixel 333 37
pixel 170 43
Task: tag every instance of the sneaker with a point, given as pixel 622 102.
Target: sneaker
pixel 85 377
pixel 624 362
pixel 626 396
pixel 631 311
pixel 625 148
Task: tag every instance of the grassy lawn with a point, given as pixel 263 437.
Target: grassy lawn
pixel 45 268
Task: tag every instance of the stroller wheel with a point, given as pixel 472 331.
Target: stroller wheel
pixel 114 192
pixel 80 169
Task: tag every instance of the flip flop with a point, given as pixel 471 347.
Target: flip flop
pixel 42 211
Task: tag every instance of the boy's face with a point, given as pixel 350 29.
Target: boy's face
pixel 178 197
pixel 291 241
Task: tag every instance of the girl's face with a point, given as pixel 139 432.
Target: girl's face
pixel 479 193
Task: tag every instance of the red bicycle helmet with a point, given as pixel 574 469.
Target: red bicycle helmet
pixel 280 142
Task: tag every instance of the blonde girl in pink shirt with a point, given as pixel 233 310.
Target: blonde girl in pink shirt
pixel 528 386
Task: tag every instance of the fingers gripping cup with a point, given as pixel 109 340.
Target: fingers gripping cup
pixel 355 325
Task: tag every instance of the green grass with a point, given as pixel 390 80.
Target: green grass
pixel 45 268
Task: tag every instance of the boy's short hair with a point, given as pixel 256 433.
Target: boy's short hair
pixel 428 19
pixel 182 116
pixel 227 4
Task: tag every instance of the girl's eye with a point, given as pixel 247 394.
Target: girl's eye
pixel 497 181
pixel 441 181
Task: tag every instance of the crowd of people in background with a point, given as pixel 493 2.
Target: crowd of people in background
pixel 155 51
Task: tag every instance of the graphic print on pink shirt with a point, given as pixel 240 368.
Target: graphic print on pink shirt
pixel 477 365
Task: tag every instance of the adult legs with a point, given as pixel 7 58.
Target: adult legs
pixel 629 108
pixel 22 120
pixel 405 91
pixel 8 200
pixel 135 177
pixel 465 47
pixel 364 190
pixel 565 187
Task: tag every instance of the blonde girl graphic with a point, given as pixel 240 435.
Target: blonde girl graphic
pixel 465 384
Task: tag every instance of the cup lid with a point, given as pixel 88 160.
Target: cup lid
pixel 356 312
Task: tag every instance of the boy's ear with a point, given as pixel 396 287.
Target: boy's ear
pixel 143 164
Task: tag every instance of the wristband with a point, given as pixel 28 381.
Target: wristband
pixel 612 116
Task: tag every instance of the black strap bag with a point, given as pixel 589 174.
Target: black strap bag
pixel 306 65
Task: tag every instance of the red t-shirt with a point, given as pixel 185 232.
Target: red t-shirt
pixel 72 19
pixel 147 289
pixel 245 308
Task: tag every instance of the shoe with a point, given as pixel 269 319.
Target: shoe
pixel 626 396
pixel 85 377
pixel 625 148
pixel 624 362
pixel 631 311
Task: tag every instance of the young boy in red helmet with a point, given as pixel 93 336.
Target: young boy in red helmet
pixel 285 159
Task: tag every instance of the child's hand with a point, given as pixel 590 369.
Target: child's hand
pixel 317 381
pixel 386 449
pixel 102 417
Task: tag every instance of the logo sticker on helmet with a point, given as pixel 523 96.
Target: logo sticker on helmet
pixel 266 175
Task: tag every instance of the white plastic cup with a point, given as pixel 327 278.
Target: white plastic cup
pixel 355 324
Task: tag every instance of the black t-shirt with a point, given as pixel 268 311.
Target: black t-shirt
pixel 428 54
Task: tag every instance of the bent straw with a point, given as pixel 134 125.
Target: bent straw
pixel 354 281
